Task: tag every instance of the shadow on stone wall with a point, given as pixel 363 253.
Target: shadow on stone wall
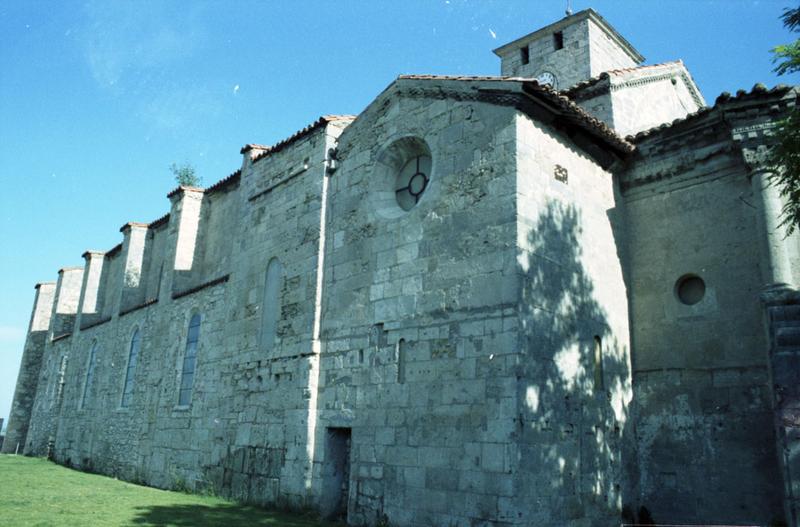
pixel 575 436
pixel 246 474
pixel 227 514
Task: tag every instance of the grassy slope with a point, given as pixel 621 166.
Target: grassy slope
pixel 36 492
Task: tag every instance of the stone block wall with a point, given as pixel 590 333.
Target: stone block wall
pixel 605 53
pixel 28 378
pixel 111 282
pixel 589 47
pixel 462 361
pixel 419 314
pixel 652 96
pixel 783 313
pixel 46 407
pixel 632 101
pixel 155 256
pixel 245 433
pixel 569 64
pixel 599 103
pixel 65 308
pixel 574 378
pixel 47 401
pixel 135 265
pixel 703 411
pixel 389 359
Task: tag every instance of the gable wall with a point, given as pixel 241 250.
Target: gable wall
pixel 641 104
pixel 431 419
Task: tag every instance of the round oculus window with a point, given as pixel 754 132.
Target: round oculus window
pixel 690 289
pixel 412 180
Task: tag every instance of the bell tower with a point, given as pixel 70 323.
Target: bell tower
pixel 576 48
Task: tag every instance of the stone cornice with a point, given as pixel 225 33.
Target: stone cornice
pixel 669 75
pixel 755 141
pixel 683 167
pixel 539 102
pixel 742 127
pixel 615 80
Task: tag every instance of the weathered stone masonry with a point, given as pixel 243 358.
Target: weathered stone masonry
pixel 473 304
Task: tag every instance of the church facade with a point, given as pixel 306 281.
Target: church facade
pixel 551 297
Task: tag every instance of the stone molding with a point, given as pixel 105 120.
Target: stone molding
pixel 745 130
pixel 210 283
pixel 144 304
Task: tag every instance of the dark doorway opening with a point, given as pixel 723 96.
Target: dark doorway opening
pixel 336 474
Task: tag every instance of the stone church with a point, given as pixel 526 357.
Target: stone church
pixel 547 298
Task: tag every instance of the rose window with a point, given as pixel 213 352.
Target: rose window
pixel 412 180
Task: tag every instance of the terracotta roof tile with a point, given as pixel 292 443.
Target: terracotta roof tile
pixel 132 224
pixel 498 78
pixel 160 221
pixel 225 182
pixel 114 250
pixel 759 90
pixel 267 150
pixel 621 71
pixel 253 146
pixel 219 185
pixel 581 116
pixel 575 113
pixel 181 188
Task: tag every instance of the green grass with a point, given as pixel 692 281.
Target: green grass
pixel 36 492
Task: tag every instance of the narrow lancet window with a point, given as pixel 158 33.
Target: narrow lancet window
pixel 401 361
pixel 189 362
pixel 87 385
pixel 271 308
pixel 598 364
pixel 133 354
pixel 62 375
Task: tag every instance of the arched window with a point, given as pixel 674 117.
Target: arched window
pixel 62 375
pixel 87 385
pixel 598 364
pixel 133 354
pixel 189 361
pixel 271 308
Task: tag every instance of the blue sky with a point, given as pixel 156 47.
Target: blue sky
pixel 97 99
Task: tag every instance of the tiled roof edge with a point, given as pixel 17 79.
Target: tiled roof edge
pixel 578 86
pixel 551 96
pixel 759 90
pixel 225 182
pixel 132 224
pixel 163 220
pixel 181 188
pixel 277 147
pixel 114 250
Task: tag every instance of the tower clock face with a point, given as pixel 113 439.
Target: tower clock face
pixel 547 78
